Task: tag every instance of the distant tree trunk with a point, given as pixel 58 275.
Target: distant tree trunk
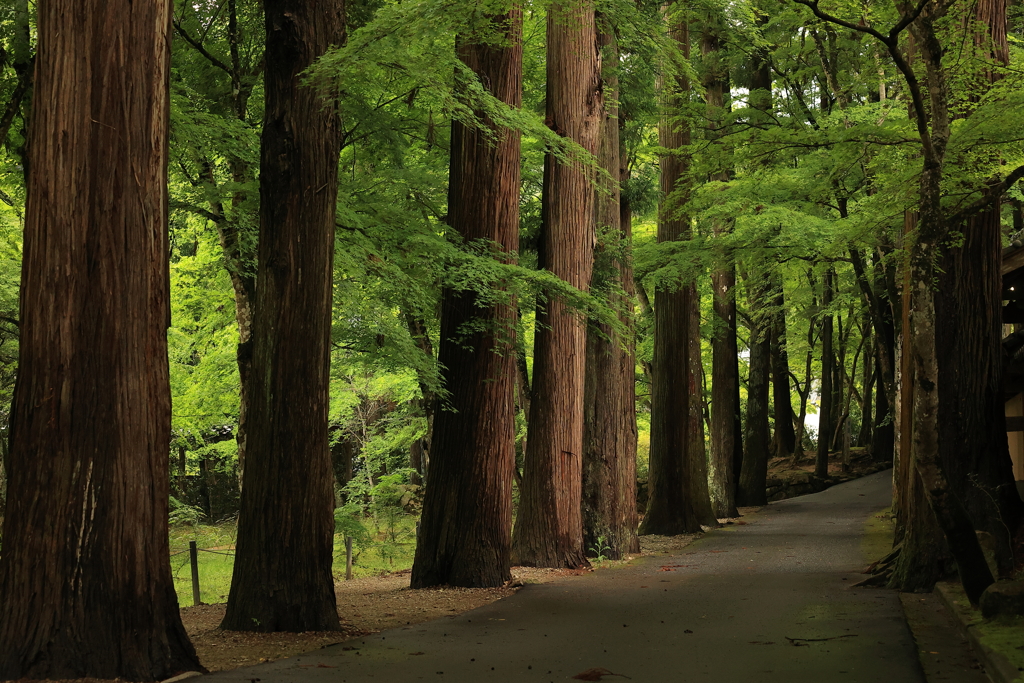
pixel 548 531
pixel 867 395
pixel 609 425
pixel 883 432
pixel 343 453
pixel 465 530
pixel 678 485
pixel 85 573
pixel 784 440
pixel 756 443
pixel 282 577
pixel 725 441
pixel 724 395
pixel 419 451
pixel 827 407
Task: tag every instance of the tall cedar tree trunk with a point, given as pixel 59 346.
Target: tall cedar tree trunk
pixel 85 571
pixel 465 531
pixel 609 426
pixel 752 489
pixel 927 394
pixel 725 404
pixel 931 234
pixel 725 440
pixel 922 548
pixel 282 575
pixel 972 425
pixel 679 498
pixel 826 409
pixel 549 527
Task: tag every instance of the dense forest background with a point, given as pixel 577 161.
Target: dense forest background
pixel 768 165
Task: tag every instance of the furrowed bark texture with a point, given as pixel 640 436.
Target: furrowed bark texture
pixel 725 439
pixel 465 531
pixel 972 426
pixel 548 531
pixel 923 549
pixel 928 393
pixel 679 498
pixel 282 575
pixel 85 571
pixel 934 363
pixel 609 428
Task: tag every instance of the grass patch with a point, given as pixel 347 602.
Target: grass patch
pixel 1005 636
pixel 388 546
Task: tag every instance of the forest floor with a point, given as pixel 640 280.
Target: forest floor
pixel 372 604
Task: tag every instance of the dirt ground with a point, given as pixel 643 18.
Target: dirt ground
pixel 372 604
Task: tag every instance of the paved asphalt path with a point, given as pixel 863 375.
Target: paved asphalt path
pixel 769 600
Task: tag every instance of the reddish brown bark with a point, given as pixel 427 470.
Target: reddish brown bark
pixel 548 531
pixel 465 530
pixel 968 303
pixel 609 430
pixel 678 484
pixel 85 570
pixel 282 575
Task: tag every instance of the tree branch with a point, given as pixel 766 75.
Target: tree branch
pixel 202 50
pixel 892 45
pixel 199 211
pixel 14 104
pixel 991 197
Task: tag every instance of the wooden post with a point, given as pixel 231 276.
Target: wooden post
pixel 193 554
pixel 348 558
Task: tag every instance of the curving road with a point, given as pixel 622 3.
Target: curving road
pixel 770 600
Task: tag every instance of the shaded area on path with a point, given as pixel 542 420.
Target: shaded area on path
pixel 769 600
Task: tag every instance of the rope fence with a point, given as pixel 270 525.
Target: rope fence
pixel 193 558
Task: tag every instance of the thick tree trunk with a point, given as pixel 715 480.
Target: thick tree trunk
pixel 930 234
pixel 968 302
pixel 548 530
pixel 85 573
pixel 678 485
pixel 972 427
pixel 826 409
pixel 282 577
pixel 725 441
pixel 948 508
pixel 609 425
pixel 465 531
